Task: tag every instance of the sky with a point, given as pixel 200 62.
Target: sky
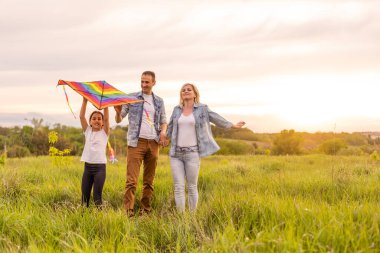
pixel 303 65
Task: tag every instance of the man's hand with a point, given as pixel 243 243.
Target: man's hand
pixel 117 109
pixel 118 113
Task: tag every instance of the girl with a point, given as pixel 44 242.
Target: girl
pixel 94 153
pixel 191 138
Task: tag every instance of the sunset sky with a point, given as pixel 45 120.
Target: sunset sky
pixel 306 65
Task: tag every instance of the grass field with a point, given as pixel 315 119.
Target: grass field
pixel 247 203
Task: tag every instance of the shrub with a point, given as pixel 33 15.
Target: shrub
pixel 351 151
pixel 3 157
pixel 355 139
pixel 367 149
pixel 374 156
pixel 332 146
pixel 18 151
pixel 59 157
pixel 287 143
pixel 234 147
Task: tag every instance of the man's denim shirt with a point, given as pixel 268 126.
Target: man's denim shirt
pixel 135 112
pixel 203 116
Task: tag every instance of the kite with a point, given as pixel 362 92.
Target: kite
pixel 100 93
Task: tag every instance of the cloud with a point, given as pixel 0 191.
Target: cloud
pixel 225 47
pixel 196 38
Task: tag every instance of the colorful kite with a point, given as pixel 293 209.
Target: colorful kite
pixel 100 93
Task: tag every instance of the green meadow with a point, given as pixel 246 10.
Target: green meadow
pixel 311 203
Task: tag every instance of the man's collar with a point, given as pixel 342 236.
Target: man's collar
pixel 140 94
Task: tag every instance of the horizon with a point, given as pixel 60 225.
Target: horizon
pixel 307 66
pixel 51 124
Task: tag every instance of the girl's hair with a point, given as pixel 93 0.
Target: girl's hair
pixel 94 113
pixel 196 92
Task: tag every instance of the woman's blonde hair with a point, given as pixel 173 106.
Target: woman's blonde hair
pixel 196 92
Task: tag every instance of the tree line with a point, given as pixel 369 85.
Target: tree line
pixel 32 140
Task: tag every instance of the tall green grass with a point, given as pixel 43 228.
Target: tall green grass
pixel 247 204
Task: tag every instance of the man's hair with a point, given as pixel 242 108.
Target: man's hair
pixel 150 73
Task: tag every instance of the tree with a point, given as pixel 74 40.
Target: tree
pixel 288 142
pixel 26 137
pixel 37 123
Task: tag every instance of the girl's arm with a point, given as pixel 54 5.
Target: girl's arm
pixel 82 115
pixel 106 126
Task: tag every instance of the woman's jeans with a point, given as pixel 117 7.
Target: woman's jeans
pixel 185 167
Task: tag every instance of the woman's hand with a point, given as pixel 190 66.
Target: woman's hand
pixel 240 124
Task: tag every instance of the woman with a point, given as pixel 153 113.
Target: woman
pixel 191 138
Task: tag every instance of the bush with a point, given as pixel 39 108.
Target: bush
pixel 234 147
pixel 355 139
pixel 332 146
pixel 374 156
pixel 18 151
pixel 234 133
pixel 3 157
pixel 367 149
pixel 287 143
pixel 351 151
pixel 59 157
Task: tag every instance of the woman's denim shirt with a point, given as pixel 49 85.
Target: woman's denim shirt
pixel 135 112
pixel 203 116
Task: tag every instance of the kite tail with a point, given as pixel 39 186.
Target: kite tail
pixel 111 153
pixel 67 99
pixel 149 120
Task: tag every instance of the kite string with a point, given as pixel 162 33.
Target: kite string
pixel 67 99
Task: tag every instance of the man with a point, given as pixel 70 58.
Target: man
pixel 146 130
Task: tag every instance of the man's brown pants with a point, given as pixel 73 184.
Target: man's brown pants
pixel 147 151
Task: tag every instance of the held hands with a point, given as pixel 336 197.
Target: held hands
pixel 240 124
pixel 164 141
